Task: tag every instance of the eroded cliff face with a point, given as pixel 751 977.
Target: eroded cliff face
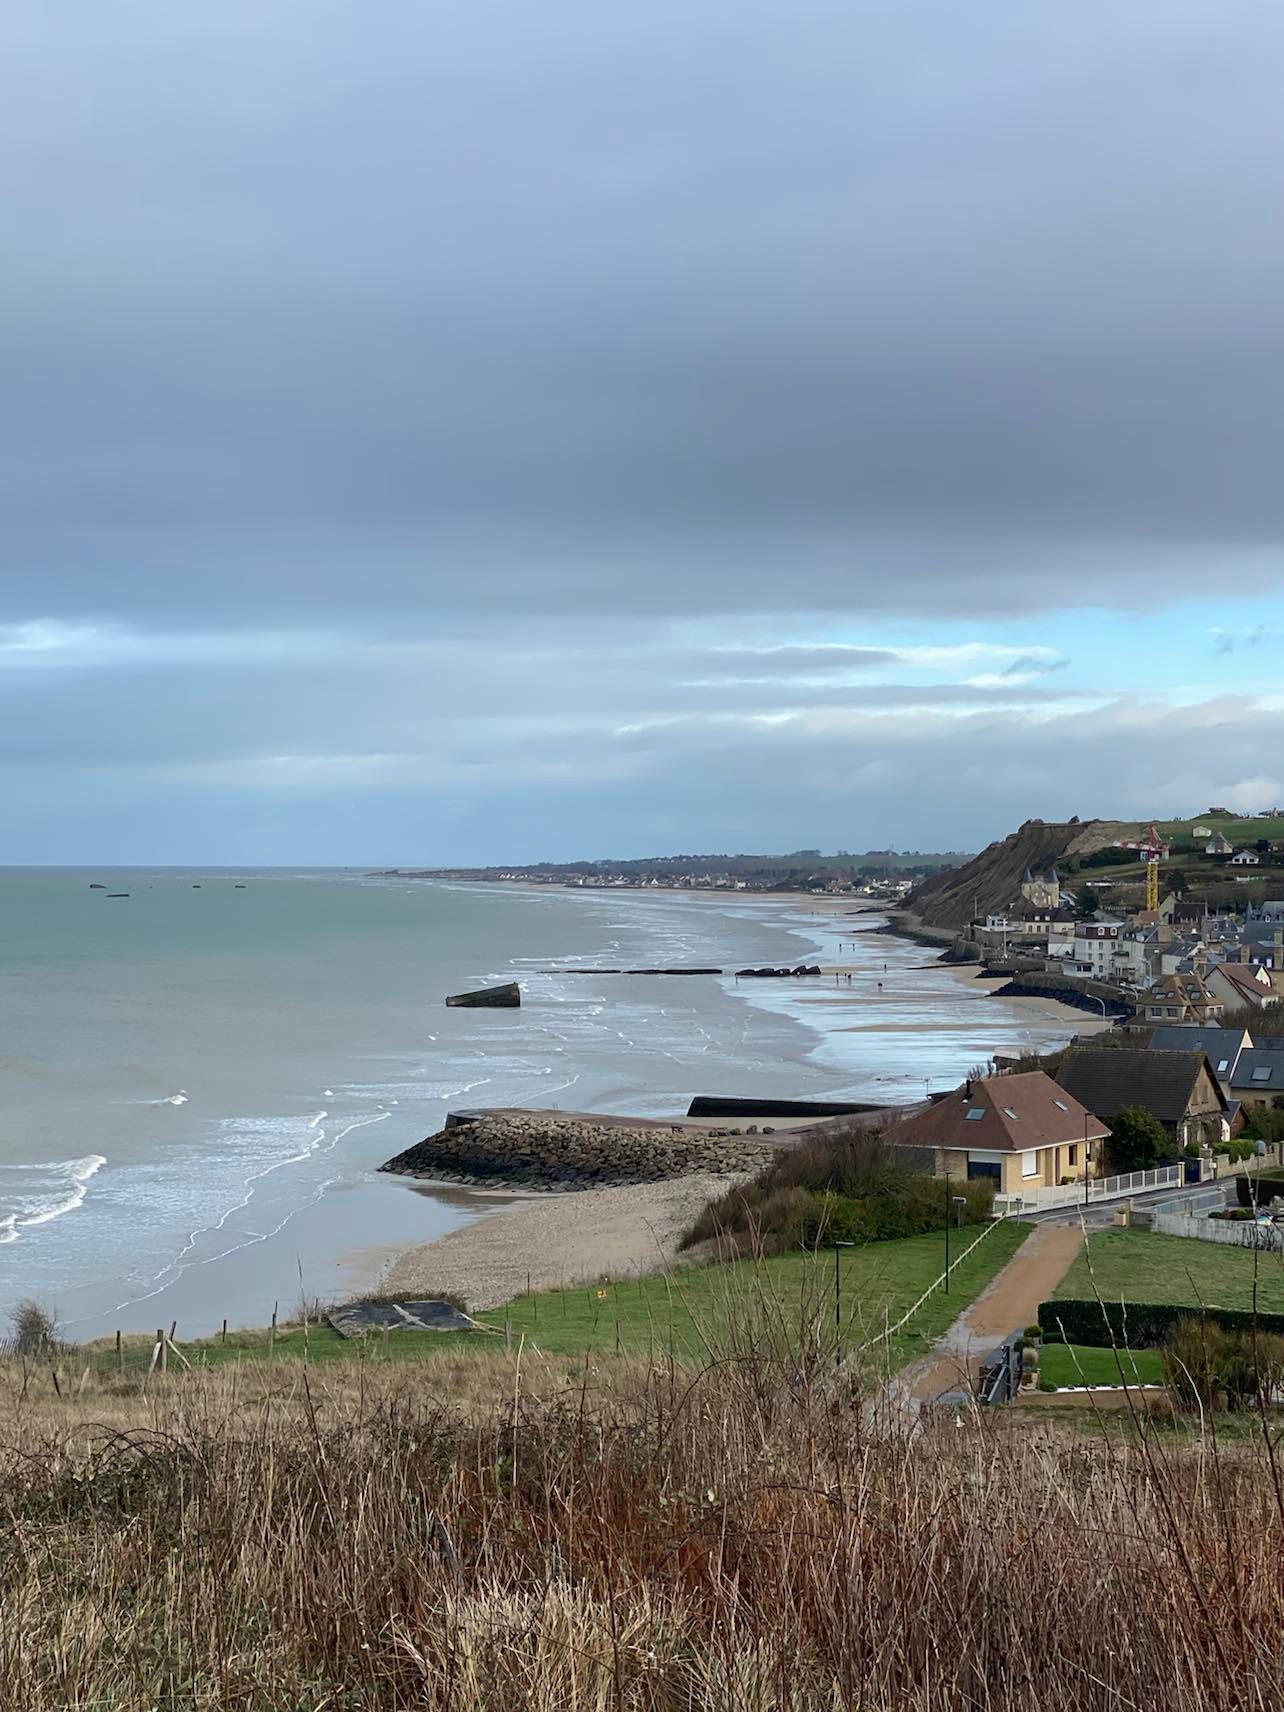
pixel 992 880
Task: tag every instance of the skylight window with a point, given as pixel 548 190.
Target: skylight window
pixel 1261 1074
pixel 975 1112
pixel 1008 1112
pixel 1223 1064
pixel 1061 1105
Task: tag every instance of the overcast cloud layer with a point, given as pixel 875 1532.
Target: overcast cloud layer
pixel 438 432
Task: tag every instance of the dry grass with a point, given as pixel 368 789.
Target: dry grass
pixel 511 1532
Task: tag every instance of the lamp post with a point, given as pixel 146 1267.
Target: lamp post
pixel 1086 1191
pixel 838 1309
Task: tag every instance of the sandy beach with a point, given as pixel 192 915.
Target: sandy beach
pixel 554 1239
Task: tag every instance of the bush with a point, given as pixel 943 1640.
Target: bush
pixel 1195 1354
pixel 1137 1141
pixel 848 1186
pixel 1139 1325
pixel 33 1330
pixel 1204 1363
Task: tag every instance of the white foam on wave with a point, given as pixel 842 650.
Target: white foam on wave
pixel 324 1143
pixel 40 1206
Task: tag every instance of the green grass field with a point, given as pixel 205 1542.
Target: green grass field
pixel 1074 1364
pixel 692 1313
pixel 1139 1266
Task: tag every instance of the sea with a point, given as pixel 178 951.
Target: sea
pixel 201 1070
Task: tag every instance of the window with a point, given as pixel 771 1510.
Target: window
pixel 975 1112
pixel 1030 1164
pixel 1009 1113
pixel 1262 1073
pixel 1072 1155
pixel 1223 1065
pixel 1061 1105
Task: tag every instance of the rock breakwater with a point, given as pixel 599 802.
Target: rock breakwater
pixel 544 1151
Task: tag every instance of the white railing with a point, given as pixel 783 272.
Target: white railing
pixel 1098 1189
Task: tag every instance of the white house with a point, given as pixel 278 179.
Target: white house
pixel 1245 859
pixel 1218 846
pixel 1093 955
pixel 1202 832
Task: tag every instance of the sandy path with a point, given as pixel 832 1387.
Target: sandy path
pixel 553 1237
pixel 1009 1303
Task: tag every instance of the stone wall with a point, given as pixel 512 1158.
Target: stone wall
pixel 1238 1233
pixel 539 1150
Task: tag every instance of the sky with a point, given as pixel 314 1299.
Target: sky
pixel 438 433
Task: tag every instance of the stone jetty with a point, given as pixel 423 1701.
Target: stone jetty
pixel 548 1150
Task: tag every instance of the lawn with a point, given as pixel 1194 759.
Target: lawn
pixel 1139 1266
pixel 693 1313
pixel 1074 1364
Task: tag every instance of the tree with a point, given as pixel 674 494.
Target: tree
pixel 1137 1140
pixel 1087 903
pixel 1178 884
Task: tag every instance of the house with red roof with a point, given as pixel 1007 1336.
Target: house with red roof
pixel 1023 1132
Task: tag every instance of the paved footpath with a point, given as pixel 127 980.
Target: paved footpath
pixel 1009 1303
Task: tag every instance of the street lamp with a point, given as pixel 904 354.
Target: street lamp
pixel 959 1202
pixel 838 1310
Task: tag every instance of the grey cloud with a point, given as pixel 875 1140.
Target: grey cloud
pixel 802 780
pixel 872 308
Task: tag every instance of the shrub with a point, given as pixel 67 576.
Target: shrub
pixel 1137 1140
pixel 845 1186
pixel 1195 1355
pixel 33 1330
pixel 1203 1363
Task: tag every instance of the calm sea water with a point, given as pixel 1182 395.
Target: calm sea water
pixel 198 1081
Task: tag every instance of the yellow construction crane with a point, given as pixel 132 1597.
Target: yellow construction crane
pixel 1153 852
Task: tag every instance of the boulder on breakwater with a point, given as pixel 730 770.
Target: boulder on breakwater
pixel 545 1150
pixel 506 997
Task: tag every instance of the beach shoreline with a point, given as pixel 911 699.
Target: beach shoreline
pixel 549 1237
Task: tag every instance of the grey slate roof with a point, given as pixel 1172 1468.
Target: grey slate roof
pixel 1110 1078
pixel 1260 1072
pixel 1219 1045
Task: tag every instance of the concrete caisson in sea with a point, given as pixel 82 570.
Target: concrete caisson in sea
pixel 506 997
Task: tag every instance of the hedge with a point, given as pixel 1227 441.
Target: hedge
pixel 1140 1325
